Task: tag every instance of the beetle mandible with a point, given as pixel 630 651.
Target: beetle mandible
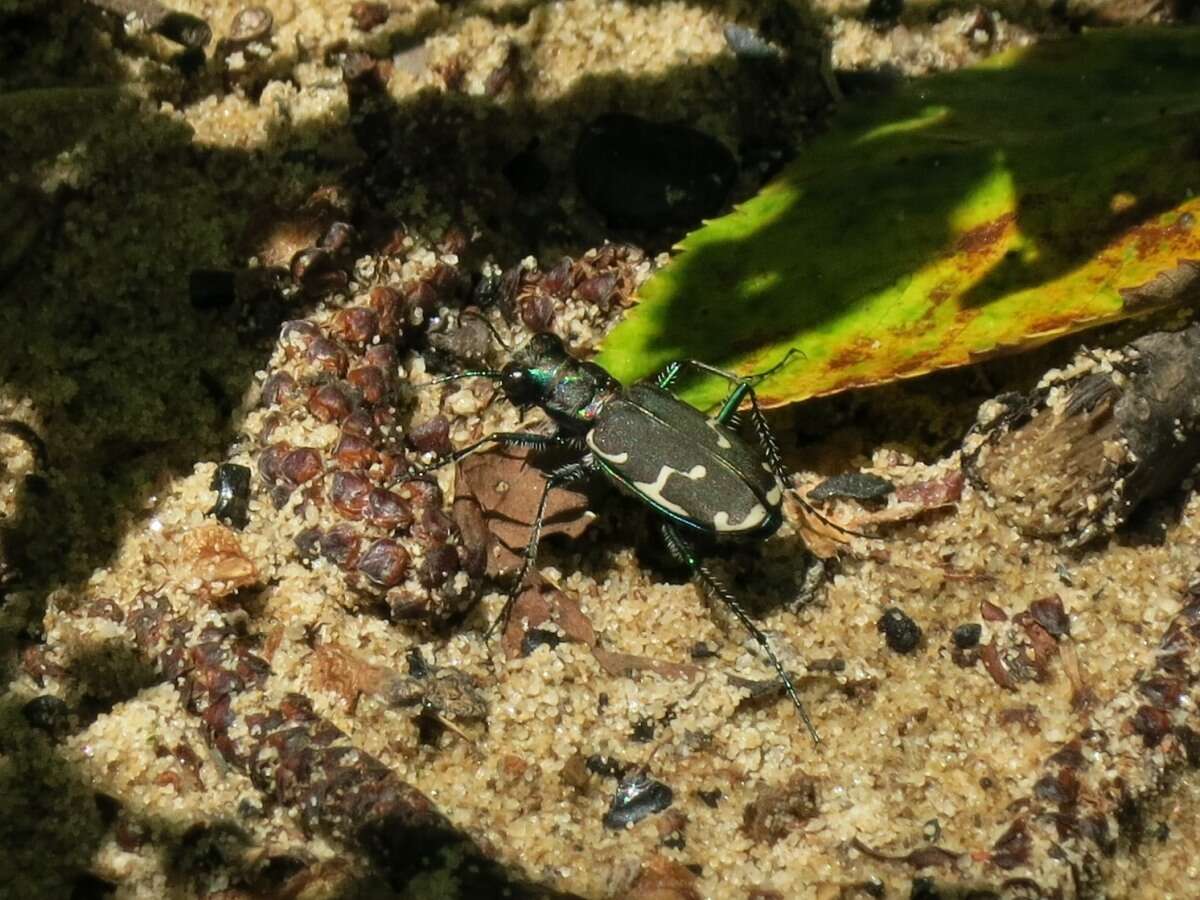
pixel 694 470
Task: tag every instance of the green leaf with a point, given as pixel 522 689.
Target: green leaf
pixel 967 214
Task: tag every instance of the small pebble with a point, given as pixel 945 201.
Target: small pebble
pixel 637 797
pixel 967 635
pixel 902 633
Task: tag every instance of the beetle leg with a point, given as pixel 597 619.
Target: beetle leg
pixel 686 554
pixel 559 477
pixel 770 446
pixel 500 438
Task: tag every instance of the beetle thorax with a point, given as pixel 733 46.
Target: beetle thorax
pixel 543 374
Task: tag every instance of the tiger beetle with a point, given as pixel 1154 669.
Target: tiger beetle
pixel 694 470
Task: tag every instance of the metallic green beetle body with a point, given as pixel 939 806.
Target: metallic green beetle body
pixel 689 467
pixel 692 469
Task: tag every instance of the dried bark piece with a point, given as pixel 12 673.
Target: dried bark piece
pixel 664 879
pixel 442 690
pixel 921 858
pixel 1075 458
pixel 215 557
pixel 779 809
pixel 507 489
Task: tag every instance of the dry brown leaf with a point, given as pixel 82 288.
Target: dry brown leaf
pixel 507 489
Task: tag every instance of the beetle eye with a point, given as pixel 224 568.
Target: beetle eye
pixel 517 384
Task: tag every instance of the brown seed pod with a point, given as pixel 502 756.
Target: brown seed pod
pixel 387 510
pixel 327 355
pixel 354 452
pixel 300 465
pixel 270 462
pixel 330 403
pixel 431 436
pixel 537 312
pixel 278 389
pixel 384 563
pixel 340 546
pixel 348 492
pixel 370 381
pixel 356 325
pixel 383 357
pixel 360 423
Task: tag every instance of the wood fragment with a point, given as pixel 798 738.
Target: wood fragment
pixel 182 28
pixel 1075 458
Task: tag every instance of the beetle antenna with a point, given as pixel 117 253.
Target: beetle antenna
pixel 470 373
pixel 475 314
pixel 756 377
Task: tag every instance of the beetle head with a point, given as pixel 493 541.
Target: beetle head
pixel 527 378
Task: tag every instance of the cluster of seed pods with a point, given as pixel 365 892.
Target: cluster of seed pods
pixel 393 539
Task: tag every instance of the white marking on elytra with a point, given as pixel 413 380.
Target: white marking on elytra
pixel 775 494
pixel 753 519
pixel 722 441
pixel 615 458
pixel 653 489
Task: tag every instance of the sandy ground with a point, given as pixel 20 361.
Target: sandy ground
pixel 125 175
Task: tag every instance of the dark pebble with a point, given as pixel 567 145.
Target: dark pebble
pixel 327 355
pixel 212 288
pixel 967 636
pixel 308 543
pixel 746 43
pixel 1050 614
pixel 354 452
pixel 368 16
pixel 710 798
pixel 440 563
pixel 539 637
pixel 701 650
pixel 337 237
pixel 49 714
pixel 853 486
pixel 605 766
pixel 417 666
pixel 643 730
pixel 902 633
pixel 637 797
pixel 642 174
pixel 537 312
pixel 232 484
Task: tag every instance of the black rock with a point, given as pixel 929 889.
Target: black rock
pixel 642 174
pixel 637 796
pixel 967 636
pixel 902 633
pixel 859 486
pixel 232 484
